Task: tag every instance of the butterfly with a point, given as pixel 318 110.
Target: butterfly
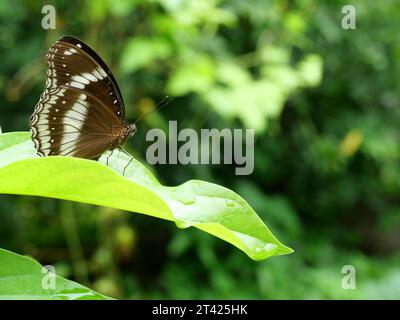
pixel 80 112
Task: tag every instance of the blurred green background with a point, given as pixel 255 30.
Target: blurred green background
pixel 325 106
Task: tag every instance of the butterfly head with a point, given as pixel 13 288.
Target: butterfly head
pixel 131 129
pixel 128 130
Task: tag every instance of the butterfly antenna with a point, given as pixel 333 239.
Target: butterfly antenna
pixel 164 101
pixel 161 104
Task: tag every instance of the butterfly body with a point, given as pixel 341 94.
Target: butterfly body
pixel 120 135
pixel 80 112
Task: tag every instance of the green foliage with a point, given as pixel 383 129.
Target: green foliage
pixel 24 278
pixel 206 206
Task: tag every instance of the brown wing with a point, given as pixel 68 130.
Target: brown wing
pixel 81 110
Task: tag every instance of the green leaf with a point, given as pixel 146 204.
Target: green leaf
pixel 206 206
pixel 140 52
pixel 24 278
pixel 195 75
pixel 310 70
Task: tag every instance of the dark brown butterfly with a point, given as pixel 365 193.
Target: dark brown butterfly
pixel 81 112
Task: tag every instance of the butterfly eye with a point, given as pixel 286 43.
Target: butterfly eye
pixel 132 130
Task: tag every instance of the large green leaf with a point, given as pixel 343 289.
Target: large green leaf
pixel 206 206
pixel 24 278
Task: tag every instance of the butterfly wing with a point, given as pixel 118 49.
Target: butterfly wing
pixel 81 111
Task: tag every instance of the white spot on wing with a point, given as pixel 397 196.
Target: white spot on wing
pixel 89 76
pixel 45 145
pixel 102 72
pixel 97 74
pixel 77 85
pixel 80 79
pixel 72 125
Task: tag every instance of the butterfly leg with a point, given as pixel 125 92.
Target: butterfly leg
pixel 131 158
pixel 127 165
pixel 108 157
